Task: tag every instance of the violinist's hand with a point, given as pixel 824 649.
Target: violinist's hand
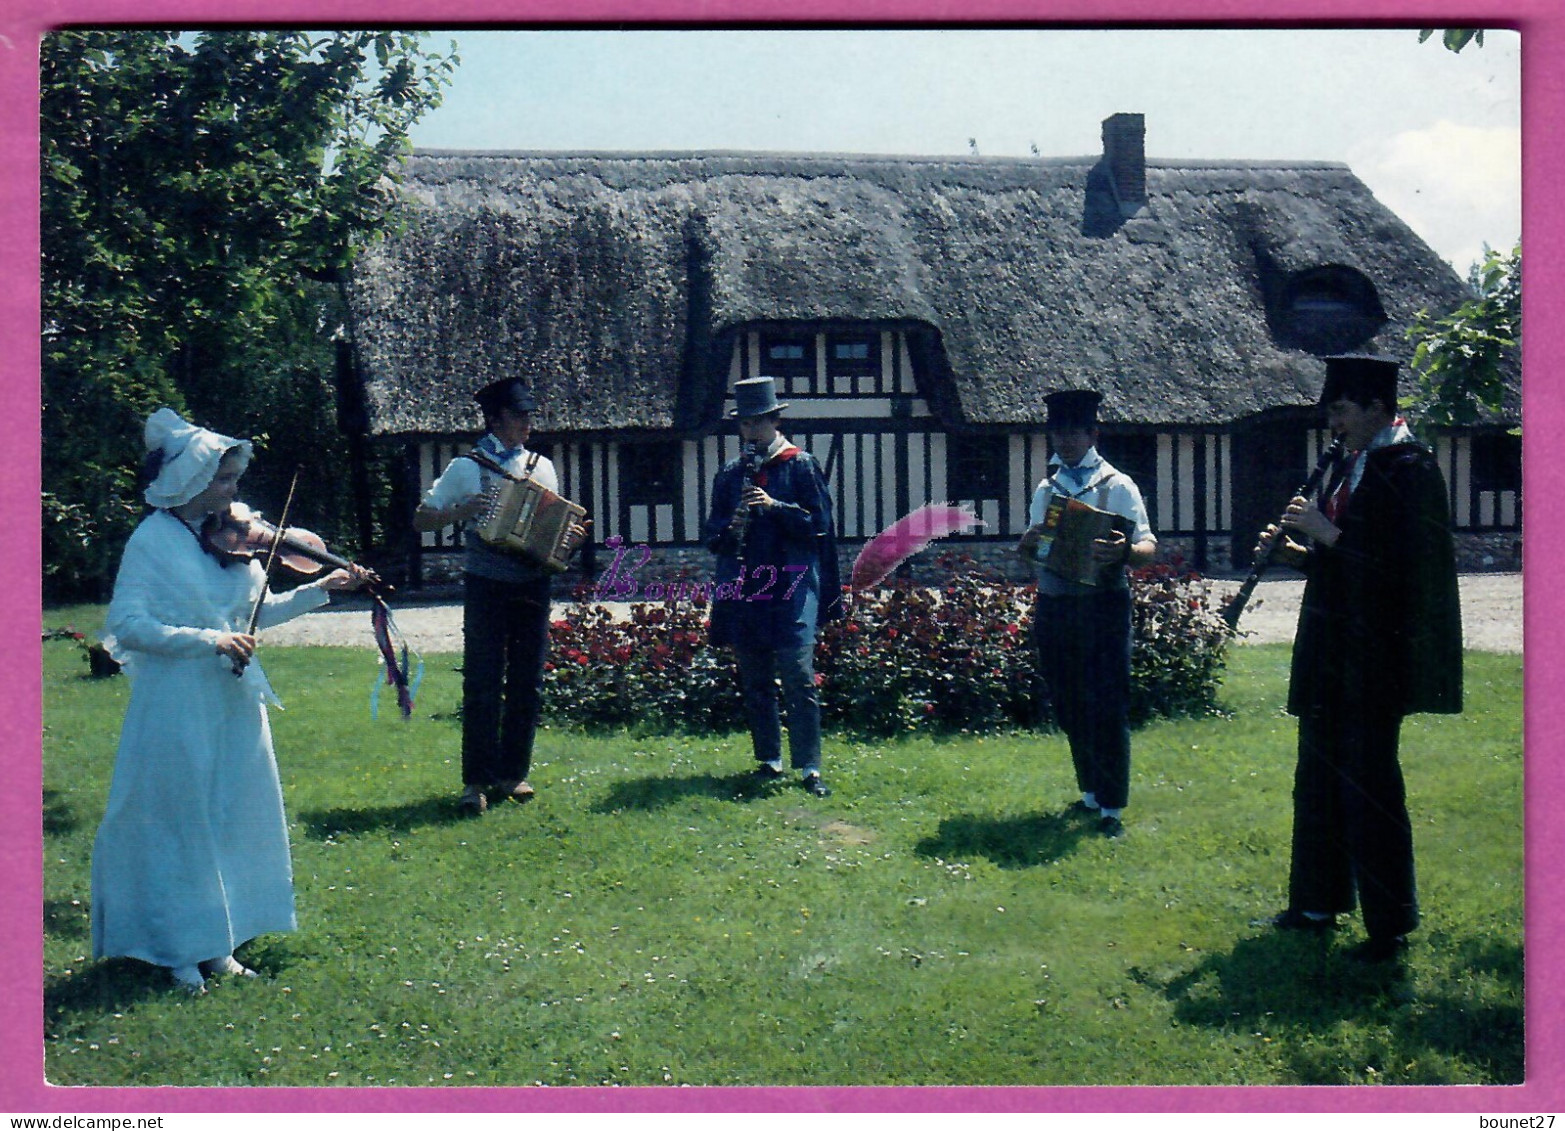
pixel 1111 550
pixel 237 646
pixel 1306 518
pixel 354 577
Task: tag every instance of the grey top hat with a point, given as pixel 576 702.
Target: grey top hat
pixel 755 396
pixel 509 392
pixel 1072 408
pixel 1360 377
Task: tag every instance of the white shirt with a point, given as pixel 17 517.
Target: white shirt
pixel 463 478
pixel 1105 487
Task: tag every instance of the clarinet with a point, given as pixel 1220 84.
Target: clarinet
pixel 1235 607
pixel 752 464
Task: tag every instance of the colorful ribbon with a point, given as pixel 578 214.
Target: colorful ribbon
pixel 394 655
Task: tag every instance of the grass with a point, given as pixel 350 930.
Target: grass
pixel 652 919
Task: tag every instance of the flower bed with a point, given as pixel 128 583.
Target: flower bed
pixel 957 658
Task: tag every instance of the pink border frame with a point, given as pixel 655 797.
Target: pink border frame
pixel 22 1091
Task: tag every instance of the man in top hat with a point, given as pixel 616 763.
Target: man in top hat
pixel 1082 628
pixel 777 580
pixel 1379 637
pixel 505 609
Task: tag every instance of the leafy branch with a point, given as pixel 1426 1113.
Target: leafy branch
pixel 1453 38
pixel 1462 360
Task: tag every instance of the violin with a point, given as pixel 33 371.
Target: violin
pixel 239 535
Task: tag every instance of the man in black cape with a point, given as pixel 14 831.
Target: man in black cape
pixel 1379 637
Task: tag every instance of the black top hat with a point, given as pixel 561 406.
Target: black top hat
pixel 1361 378
pixel 1072 408
pixel 755 396
pixel 511 393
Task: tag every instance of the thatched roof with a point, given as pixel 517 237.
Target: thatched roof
pixel 615 281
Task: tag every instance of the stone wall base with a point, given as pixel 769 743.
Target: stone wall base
pixel 1495 552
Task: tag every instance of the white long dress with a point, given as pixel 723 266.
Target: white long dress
pixel 192 857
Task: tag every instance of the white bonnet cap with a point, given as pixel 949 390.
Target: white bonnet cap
pixel 190 458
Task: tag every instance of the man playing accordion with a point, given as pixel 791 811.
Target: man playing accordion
pixel 1082 623
pixel 505 609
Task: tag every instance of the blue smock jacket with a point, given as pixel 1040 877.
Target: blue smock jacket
pixel 790 581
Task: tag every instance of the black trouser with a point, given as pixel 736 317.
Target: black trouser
pixel 1350 825
pixel 1084 658
pixel 505 633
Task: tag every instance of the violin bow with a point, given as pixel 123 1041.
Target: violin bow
pixel 271 561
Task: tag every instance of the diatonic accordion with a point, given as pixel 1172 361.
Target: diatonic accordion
pixel 523 518
pixel 1070 527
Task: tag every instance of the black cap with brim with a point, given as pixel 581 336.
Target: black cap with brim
pixel 1072 408
pixel 511 393
pixel 1360 378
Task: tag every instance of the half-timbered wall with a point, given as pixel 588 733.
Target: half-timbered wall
pixel 857 404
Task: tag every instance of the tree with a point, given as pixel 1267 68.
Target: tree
pixel 1463 360
pixel 202 196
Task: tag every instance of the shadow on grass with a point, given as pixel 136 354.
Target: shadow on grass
pixel 110 986
pixel 656 792
pixel 319 824
pixel 59 819
pixel 1309 988
pixel 1007 842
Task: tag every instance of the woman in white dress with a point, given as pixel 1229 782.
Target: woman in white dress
pixel 192 857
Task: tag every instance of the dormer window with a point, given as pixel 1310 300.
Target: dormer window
pixel 1330 309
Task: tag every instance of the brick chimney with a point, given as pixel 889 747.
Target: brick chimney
pixel 1125 154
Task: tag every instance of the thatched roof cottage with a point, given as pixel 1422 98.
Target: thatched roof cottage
pixel 915 311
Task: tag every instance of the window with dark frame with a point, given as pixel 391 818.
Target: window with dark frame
pixel 650 474
pixel 855 357
pixel 1136 455
pixel 1497 461
pixel 789 359
pixel 976 467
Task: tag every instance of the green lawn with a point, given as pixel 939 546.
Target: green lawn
pixel 651 919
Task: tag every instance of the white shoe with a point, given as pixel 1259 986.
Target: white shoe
pixel 228 965
pixel 189 979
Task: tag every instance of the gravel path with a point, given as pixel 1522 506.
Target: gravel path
pixel 1491 618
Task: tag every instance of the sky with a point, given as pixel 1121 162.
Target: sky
pixel 1435 135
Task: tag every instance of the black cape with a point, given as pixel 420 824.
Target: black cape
pixel 1381 619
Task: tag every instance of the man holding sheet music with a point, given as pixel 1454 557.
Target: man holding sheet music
pixel 1087 524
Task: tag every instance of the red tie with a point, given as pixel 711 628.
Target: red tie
pixel 1338 501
